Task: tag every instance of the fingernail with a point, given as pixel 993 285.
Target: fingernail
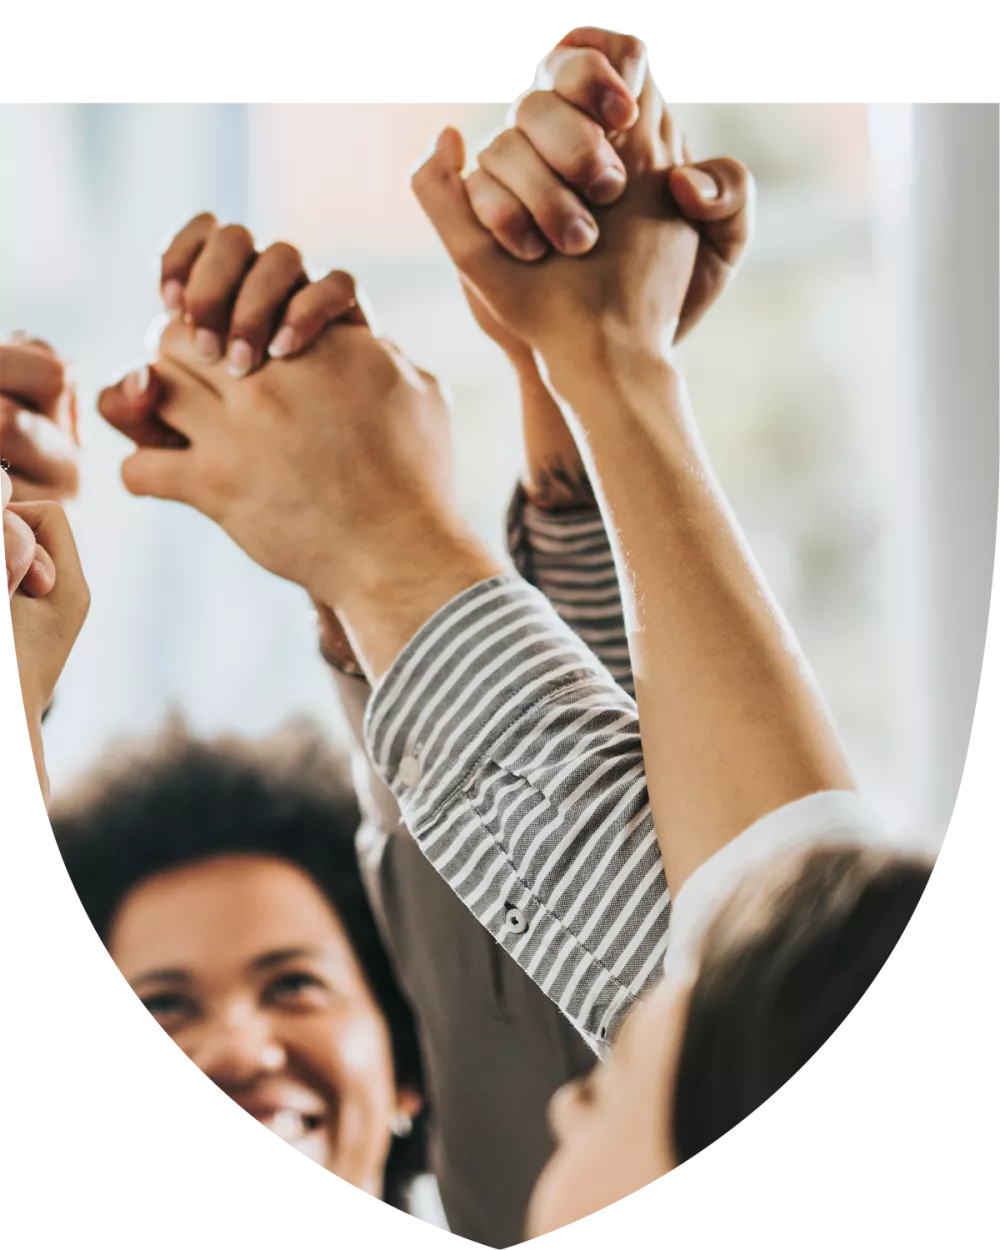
pixel 136 384
pixel 240 360
pixel 283 343
pixel 615 109
pixel 607 186
pixel 19 337
pixel 173 295
pixel 704 184
pixel 207 345
pixel 578 235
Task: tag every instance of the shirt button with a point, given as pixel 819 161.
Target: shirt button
pixel 514 921
pixel 409 770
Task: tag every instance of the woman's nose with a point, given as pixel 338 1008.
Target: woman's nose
pixel 238 1048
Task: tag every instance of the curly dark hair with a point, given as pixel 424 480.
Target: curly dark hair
pixel 178 799
pixel 786 960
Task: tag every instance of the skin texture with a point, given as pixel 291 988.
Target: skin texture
pixel 611 1129
pixel 733 726
pixel 48 595
pixel 296 462
pixel 46 627
pixel 583 100
pixel 38 451
pixel 38 426
pixel 243 962
pixel 731 723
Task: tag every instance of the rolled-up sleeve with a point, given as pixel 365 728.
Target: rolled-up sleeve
pixel 567 554
pixel 517 764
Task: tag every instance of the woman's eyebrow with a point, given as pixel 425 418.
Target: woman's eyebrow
pixel 176 976
pixel 273 958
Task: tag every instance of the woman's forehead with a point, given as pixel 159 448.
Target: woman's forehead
pixel 228 910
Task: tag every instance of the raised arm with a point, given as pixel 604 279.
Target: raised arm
pixel 733 725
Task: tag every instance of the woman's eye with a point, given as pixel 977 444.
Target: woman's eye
pixel 298 989
pixel 169 1010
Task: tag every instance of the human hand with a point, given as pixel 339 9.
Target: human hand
pixel 630 291
pixel 535 180
pixel 47 626
pixel 246 305
pixel 38 426
pixel 28 566
pixel 309 464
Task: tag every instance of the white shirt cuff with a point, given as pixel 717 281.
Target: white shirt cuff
pixel 829 817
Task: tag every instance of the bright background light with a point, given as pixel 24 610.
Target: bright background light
pixel 799 379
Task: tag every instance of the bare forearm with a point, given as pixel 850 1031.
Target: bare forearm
pixel 396 591
pixel 733 725
pixel 555 476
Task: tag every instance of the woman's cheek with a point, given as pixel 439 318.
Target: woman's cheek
pixel 554 1198
pixel 364 1046
pixel 365 1097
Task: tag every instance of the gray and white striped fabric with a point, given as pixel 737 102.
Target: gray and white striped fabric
pixel 516 761
pixel 567 555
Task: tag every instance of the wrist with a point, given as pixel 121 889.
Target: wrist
pixel 588 368
pixel 611 386
pixel 387 596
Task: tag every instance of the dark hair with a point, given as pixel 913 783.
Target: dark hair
pixel 781 967
pixel 180 800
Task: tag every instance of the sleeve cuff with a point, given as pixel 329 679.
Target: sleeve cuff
pixel 828 817
pixel 566 533
pixel 486 657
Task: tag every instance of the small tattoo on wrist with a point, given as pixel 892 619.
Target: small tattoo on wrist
pixel 559 485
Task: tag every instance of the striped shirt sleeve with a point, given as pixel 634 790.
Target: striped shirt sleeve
pixel 517 764
pixel 567 554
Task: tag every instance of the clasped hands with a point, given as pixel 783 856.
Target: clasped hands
pixel 582 237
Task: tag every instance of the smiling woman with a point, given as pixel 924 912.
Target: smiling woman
pixel 223 880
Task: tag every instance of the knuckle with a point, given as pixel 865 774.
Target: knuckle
pixel 532 105
pixel 554 209
pixel 502 145
pixel 200 305
pixel 590 63
pixel 632 47
pixel 52 514
pixel 235 237
pixel 283 255
pixel 202 226
pixel 250 322
pixel 509 221
pixel 338 288
pixel 173 335
pixel 583 161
